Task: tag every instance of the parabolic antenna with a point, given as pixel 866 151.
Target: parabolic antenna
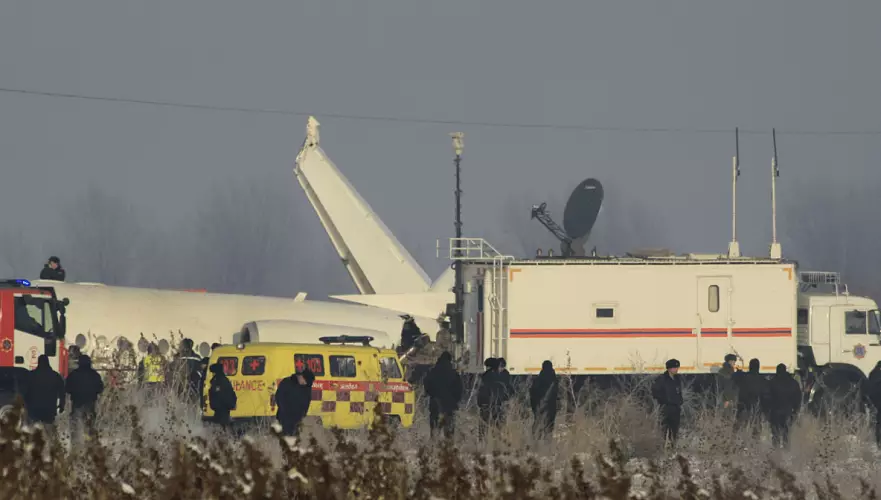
pixel 582 209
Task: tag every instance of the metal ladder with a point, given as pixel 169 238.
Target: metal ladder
pixel 480 251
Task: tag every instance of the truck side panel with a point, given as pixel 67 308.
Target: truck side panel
pixel 607 319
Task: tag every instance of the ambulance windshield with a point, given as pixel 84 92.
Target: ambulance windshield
pixel 874 322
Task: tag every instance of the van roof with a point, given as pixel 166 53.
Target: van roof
pixel 267 346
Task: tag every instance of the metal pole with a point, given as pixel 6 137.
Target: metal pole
pixel 734 246
pixel 776 251
pixel 458 323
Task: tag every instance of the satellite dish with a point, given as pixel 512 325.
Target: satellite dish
pixel 582 209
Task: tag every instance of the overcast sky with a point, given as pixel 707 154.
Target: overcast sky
pixel 795 65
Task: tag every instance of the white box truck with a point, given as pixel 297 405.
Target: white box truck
pixel 599 316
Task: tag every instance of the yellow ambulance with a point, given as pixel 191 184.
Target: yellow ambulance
pixel 351 378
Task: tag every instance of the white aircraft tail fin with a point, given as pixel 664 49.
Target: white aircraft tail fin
pixel 375 259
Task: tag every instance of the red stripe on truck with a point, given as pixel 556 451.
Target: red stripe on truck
pixel 7 331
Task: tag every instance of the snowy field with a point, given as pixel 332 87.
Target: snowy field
pixel 174 446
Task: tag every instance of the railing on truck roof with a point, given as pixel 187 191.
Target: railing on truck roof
pixel 474 249
pixel 814 279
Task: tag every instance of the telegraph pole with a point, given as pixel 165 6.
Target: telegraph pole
pixel 456 321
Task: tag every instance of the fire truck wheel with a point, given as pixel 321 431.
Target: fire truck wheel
pixel 5 410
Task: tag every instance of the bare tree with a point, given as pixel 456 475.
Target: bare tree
pixel 835 227
pixel 249 236
pixel 102 238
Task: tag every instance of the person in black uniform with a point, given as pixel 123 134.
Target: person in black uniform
pixel 293 397
pixel 221 396
pixel 752 397
pixel 784 401
pixel 490 396
pixel 543 400
pixel 667 391
pixel 52 270
pixel 43 394
pixel 84 385
pixel 444 388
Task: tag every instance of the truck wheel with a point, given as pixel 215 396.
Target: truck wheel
pixel 836 391
pixel 5 411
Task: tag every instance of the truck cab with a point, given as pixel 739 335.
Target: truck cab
pixel 32 322
pixel 839 334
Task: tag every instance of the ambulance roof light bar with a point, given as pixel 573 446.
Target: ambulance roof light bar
pixel 347 339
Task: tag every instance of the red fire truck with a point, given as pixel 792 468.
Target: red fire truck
pixel 32 322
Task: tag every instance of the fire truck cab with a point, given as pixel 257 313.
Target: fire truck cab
pixel 32 322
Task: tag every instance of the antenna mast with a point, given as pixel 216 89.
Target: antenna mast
pixel 734 246
pixel 776 251
pixel 457 319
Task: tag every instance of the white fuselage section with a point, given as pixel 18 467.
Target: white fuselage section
pixel 104 314
pixel 620 316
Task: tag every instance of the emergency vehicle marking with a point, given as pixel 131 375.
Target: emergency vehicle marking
pixel 248 385
pixel 649 333
pixel 7 344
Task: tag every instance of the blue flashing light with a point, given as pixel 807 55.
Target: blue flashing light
pixel 23 282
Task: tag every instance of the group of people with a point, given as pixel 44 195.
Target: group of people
pixel 45 393
pixel 443 385
pixel 750 396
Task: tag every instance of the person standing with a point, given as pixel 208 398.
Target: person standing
pixel 293 397
pixel 444 388
pixel 490 396
pixel 221 396
pixel 43 394
pixel 784 401
pixel 151 369
pixel 667 391
pixel 543 399
pixel 84 385
pixel 752 398
pixel 725 382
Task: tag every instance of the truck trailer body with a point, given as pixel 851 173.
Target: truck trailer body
pixel 629 315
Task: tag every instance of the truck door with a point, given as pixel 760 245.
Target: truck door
pixel 856 346
pixel 714 319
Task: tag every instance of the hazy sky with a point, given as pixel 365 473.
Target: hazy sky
pixel 795 65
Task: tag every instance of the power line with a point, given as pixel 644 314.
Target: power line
pixel 432 121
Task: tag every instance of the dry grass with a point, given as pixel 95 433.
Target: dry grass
pixel 606 445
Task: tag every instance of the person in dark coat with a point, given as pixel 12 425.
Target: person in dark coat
pixel 444 388
pixel 873 393
pixel 221 396
pixel 44 395
pixel 784 401
pixel 543 399
pixel 293 397
pixel 186 369
pixel 490 396
pixel 52 270
pixel 667 391
pixel 725 382
pixel 84 385
pixel 752 397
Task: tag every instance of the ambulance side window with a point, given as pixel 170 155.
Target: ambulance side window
pixel 389 367
pixel 253 365
pixel 230 365
pixel 315 363
pixel 342 366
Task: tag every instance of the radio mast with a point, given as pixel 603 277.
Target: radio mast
pixel 734 246
pixel 456 322
pixel 776 251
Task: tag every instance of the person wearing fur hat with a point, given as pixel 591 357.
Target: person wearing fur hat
pixel 667 391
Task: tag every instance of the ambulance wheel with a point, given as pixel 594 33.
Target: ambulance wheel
pixel 393 422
